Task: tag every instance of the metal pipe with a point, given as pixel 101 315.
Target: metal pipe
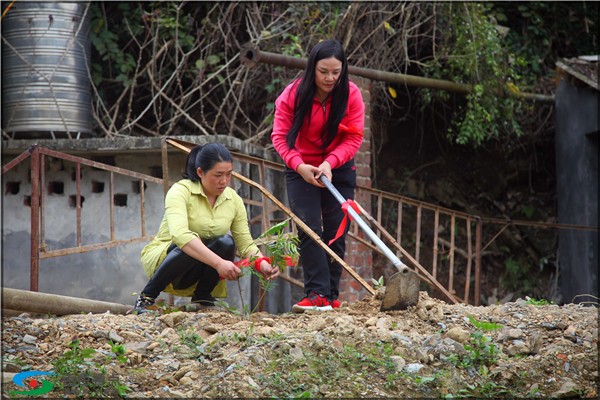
pixel 250 56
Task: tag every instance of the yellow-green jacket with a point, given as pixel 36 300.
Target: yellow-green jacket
pixel 188 215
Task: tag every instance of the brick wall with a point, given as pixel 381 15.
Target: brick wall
pixel 359 256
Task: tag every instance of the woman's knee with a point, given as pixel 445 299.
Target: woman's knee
pixel 223 245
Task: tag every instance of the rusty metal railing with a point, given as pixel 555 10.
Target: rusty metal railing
pixel 426 223
pixel 39 249
pixel 447 242
pixel 262 166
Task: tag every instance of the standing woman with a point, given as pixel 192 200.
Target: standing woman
pixel 204 221
pixel 317 130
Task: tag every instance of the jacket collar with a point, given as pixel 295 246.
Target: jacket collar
pixel 196 188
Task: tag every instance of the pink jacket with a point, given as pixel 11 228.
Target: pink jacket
pixel 308 149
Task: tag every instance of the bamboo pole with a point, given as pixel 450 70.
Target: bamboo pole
pixel 46 303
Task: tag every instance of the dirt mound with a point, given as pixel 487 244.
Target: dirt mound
pixel 434 349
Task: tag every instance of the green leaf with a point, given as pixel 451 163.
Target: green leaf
pixel 87 353
pixel 213 59
pixel 275 229
pixel 485 326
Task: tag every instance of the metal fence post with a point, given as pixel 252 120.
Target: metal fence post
pixel 35 219
pixel 478 230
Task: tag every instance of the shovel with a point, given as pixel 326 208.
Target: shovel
pixel 402 288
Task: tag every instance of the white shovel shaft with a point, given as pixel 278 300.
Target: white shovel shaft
pixel 378 242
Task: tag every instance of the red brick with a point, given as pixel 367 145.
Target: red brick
pixel 358 256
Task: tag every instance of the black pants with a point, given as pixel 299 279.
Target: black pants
pixel 183 271
pixel 323 214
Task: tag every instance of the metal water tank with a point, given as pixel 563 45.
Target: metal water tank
pixel 46 87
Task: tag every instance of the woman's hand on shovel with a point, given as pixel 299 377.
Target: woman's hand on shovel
pixel 310 174
pixel 326 168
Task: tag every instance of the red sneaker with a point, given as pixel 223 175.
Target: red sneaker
pixel 313 301
pixel 335 303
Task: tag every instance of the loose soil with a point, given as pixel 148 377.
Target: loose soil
pixel 433 350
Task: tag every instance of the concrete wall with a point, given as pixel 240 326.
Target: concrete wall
pixel 110 274
pixel 577 189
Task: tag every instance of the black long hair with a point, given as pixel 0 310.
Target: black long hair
pixel 205 157
pixel 306 92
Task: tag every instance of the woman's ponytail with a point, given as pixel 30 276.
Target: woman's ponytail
pixel 190 165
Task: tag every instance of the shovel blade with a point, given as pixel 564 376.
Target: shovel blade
pixel 401 291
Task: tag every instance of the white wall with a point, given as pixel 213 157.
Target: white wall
pixel 108 274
